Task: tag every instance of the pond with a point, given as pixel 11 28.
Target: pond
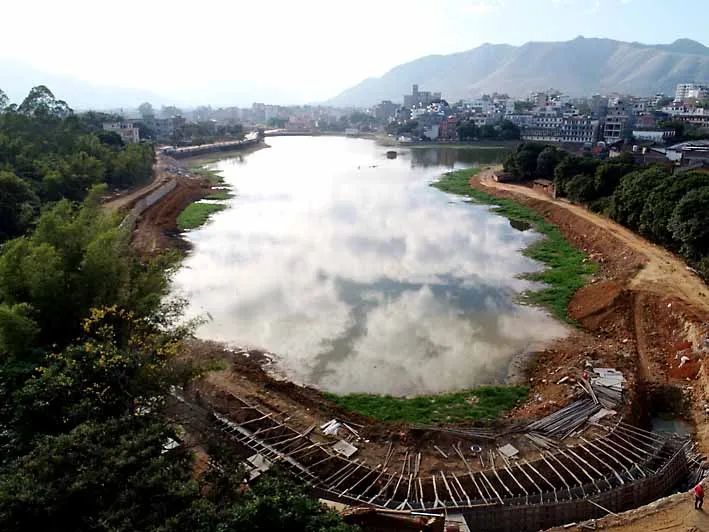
pixel 357 274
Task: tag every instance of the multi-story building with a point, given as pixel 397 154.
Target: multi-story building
pixel 618 121
pixel 422 98
pixel 689 91
pixel 659 136
pixel 165 128
pixel 579 130
pixel 126 130
pixel 543 128
pixel 563 129
pixel 599 106
pixel 385 110
pixel 699 116
pixel 448 128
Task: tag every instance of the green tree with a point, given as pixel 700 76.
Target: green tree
pixel 18 331
pixel 547 160
pixel 571 166
pixel 661 202
pixel 467 130
pixel 110 475
pixel 18 206
pixel 169 111
pixel 4 100
pixel 609 173
pixel 523 163
pixel 76 259
pixel 146 111
pixel 631 194
pixel 581 188
pixel 93 121
pixel 689 223
pixel 509 131
pixel 40 102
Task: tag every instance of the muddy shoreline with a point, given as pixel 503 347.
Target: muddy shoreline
pixel 605 307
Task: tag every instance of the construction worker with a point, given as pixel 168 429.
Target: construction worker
pixel 698 496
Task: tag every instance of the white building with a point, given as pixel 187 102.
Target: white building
pixel 127 131
pixel 431 132
pixel 688 91
pixel 653 135
pixel 555 128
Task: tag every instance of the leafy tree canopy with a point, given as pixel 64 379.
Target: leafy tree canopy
pixel 689 223
pixel 56 155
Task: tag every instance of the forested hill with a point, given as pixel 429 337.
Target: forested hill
pixel 49 153
pixel 579 67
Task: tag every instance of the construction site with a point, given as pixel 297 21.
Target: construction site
pixel 580 449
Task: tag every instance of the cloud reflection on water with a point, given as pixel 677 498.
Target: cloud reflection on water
pixel 359 278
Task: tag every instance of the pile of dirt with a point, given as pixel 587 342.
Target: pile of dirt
pixel 595 299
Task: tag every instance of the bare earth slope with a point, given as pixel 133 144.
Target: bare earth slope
pixel 663 273
pixel 667 309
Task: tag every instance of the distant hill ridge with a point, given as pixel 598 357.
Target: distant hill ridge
pixel 579 67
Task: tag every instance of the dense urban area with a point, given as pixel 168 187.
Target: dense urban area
pixel 114 417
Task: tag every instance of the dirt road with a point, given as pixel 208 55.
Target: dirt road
pixel 164 169
pixel 663 273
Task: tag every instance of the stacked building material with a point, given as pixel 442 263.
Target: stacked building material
pixel 564 422
pixel 607 386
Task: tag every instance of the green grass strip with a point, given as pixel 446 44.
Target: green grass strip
pixel 482 403
pixel 196 214
pixel 567 267
pixel 220 194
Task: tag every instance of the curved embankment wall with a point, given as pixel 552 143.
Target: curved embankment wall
pixel 520 517
pixel 147 201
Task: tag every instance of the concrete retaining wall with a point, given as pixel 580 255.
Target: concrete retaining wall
pixel 146 202
pixel 532 517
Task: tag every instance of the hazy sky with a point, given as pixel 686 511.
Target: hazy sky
pixel 307 49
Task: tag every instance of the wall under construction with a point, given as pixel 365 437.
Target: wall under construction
pixel 617 470
pixel 522 517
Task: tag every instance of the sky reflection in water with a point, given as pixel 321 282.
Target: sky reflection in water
pixel 360 276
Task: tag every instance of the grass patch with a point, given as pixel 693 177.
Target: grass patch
pixel 196 214
pixel 567 267
pixel 484 402
pixel 220 194
pixel 214 176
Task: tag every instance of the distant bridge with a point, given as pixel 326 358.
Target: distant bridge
pixel 250 139
pixel 289 133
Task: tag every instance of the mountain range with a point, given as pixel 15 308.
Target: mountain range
pixel 579 67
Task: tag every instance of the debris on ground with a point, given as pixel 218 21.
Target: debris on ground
pixel 344 448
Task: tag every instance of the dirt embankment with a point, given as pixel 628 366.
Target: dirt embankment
pixel 675 513
pixel 646 314
pixel 156 228
pixel 642 312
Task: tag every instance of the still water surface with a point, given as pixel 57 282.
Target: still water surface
pixel 357 274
